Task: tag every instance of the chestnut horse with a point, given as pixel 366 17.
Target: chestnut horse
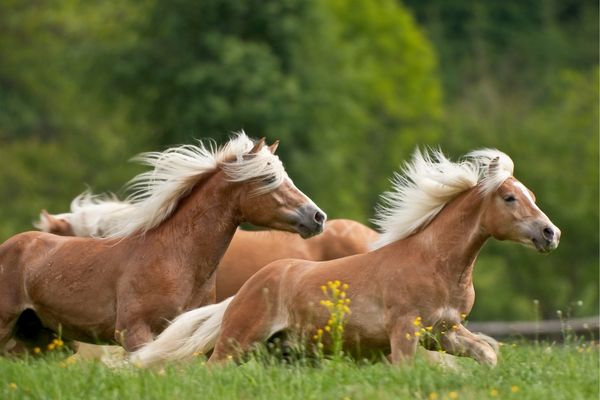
pixel 435 221
pixel 159 256
pixel 248 251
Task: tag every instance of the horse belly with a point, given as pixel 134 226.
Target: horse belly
pixel 76 302
pixel 82 327
pixel 366 329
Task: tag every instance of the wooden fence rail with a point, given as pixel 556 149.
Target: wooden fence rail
pixel 554 329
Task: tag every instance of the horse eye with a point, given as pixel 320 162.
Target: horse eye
pixel 510 198
pixel 270 179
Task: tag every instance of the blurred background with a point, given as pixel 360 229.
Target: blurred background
pixel 349 86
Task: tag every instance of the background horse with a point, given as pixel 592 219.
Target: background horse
pixel 161 254
pixel 248 251
pixel 435 221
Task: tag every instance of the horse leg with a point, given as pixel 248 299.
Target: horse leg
pixel 9 315
pixel 489 340
pixel 461 342
pixel 7 323
pixel 243 325
pixel 133 335
pixel 438 358
pixel 403 342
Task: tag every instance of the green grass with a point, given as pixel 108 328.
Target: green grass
pixel 533 372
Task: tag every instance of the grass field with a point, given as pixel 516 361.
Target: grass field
pixel 524 372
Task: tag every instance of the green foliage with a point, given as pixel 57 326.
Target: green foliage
pixel 382 99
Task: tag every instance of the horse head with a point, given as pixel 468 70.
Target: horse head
pixel 271 199
pixel 512 214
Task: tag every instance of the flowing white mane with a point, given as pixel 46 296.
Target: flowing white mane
pixel 428 182
pixel 174 173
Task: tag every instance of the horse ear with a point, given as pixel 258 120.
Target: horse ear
pixel 49 217
pixel 47 222
pixel 273 147
pixel 258 146
pixel 494 166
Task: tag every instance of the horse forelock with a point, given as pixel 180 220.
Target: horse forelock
pixel 175 171
pixel 429 181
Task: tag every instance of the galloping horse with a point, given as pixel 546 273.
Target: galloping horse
pixel 435 221
pixel 248 251
pixel 160 255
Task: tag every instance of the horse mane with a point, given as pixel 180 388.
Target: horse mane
pixel 428 182
pixel 175 171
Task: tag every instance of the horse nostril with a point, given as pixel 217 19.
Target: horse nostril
pixel 548 233
pixel 319 217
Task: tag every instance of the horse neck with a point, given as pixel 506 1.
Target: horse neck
pixel 202 226
pixel 457 236
pixel 453 239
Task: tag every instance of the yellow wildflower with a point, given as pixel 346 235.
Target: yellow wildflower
pixel 327 328
pixel 453 395
pixel 37 350
pixel 432 396
pixel 345 286
pixel 514 389
pixel 51 346
pixel 463 316
pixel 408 336
pixel 493 393
pixel 417 334
pixel 324 289
pixel 12 385
pixel 417 321
pixel 429 328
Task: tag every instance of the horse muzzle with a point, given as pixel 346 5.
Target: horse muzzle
pixel 547 239
pixel 310 221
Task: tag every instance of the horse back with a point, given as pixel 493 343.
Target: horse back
pixel 342 238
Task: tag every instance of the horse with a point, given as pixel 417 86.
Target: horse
pixel 248 251
pixel 434 222
pixel 160 255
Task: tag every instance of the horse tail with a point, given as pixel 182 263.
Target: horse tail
pixel 192 333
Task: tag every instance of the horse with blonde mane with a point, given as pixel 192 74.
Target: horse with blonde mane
pixel 160 254
pixel 248 251
pixel 434 222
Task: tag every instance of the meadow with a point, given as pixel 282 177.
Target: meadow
pixel 525 371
